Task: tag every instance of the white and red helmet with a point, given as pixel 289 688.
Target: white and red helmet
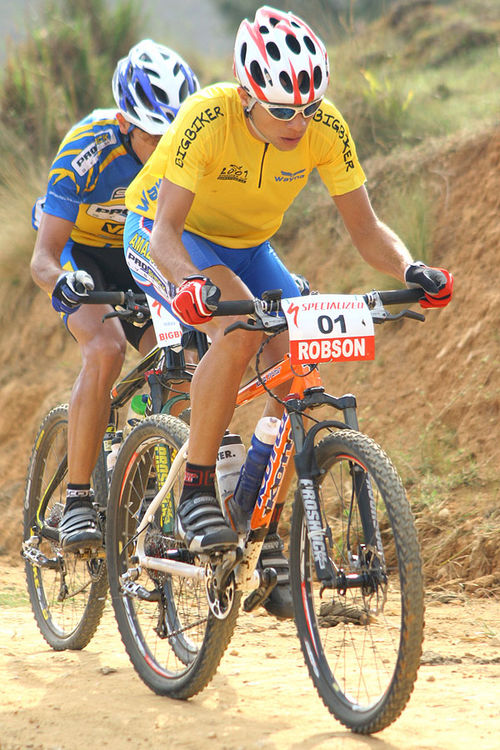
pixel 279 59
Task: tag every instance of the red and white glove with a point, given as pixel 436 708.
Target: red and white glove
pixel 437 283
pixel 195 300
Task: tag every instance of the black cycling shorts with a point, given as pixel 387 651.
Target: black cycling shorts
pixel 110 272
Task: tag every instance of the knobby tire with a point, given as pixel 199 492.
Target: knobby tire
pixel 174 643
pixel 362 646
pixel 68 597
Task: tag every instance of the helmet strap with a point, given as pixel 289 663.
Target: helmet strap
pixel 256 129
pixel 127 142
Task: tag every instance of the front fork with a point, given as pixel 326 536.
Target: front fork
pixel 308 472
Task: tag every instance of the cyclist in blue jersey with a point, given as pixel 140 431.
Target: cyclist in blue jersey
pixel 79 246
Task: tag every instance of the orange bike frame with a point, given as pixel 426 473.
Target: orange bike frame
pixel 279 472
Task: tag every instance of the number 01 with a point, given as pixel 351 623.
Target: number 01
pixel 325 323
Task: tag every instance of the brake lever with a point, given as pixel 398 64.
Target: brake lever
pixel 402 314
pixel 250 325
pixel 140 314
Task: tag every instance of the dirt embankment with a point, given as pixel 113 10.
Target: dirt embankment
pixel 431 397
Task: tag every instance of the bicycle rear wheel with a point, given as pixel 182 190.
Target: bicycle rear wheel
pixel 362 645
pixel 171 635
pixel 67 591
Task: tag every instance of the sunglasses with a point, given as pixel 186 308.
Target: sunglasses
pixel 288 113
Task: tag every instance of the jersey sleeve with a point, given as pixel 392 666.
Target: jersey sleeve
pixel 72 171
pixel 337 160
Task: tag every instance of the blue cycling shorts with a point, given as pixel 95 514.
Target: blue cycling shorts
pixel 258 267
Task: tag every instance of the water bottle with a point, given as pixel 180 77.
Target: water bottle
pixel 254 467
pixel 230 459
pixel 113 454
pixel 136 410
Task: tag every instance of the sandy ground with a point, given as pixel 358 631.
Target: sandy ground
pixel 261 696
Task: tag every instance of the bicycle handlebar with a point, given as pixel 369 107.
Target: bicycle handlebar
pixel 400 296
pixel 131 300
pixel 113 298
pixel 387 297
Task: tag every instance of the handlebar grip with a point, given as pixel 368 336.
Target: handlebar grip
pixel 401 296
pixel 104 298
pixel 235 307
pixel 114 298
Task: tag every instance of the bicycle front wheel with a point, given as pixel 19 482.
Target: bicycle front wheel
pixel 173 639
pixel 67 591
pixel 362 640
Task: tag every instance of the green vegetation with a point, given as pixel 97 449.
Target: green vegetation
pixel 63 70
pixel 13 596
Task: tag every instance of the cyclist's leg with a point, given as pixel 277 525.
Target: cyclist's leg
pixel 263 270
pixel 102 348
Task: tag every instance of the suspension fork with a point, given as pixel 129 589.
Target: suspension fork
pixel 307 471
pixel 363 491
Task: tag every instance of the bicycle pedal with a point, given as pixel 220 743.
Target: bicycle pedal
pixel 36 557
pixel 130 588
pixel 89 553
pixel 268 580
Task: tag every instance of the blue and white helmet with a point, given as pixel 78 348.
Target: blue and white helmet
pixel 150 84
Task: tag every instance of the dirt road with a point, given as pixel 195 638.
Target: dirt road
pixel 260 698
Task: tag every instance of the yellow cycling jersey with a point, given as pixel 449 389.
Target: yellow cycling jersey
pixel 242 186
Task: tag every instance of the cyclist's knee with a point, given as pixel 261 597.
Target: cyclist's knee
pixel 105 353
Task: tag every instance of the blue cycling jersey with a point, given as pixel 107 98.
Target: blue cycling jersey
pixel 88 179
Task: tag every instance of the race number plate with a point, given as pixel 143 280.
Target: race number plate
pixel 329 328
pixel 167 328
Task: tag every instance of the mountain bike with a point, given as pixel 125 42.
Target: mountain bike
pixel 355 567
pixel 68 590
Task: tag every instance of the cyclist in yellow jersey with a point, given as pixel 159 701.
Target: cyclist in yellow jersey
pixel 79 246
pixel 202 211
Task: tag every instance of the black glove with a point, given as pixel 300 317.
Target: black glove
pixel 302 283
pixel 437 283
pixel 70 287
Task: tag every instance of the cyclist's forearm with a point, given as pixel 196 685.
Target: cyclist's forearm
pixel 52 236
pixel 169 254
pixel 384 250
pixel 45 268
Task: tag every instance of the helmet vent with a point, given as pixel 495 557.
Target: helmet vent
pixel 183 91
pixel 243 53
pixel 162 96
pixel 286 82
pixel 263 30
pixel 273 50
pixel 256 73
pixel 142 96
pixel 293 44
pixel 310 45
pixel 151 73
pixel 274 21
pixel 317 77
pixel 304 82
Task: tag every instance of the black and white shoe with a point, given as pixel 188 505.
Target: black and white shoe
pixel 201 525
pixel 79 528
pixel 279 602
